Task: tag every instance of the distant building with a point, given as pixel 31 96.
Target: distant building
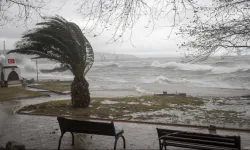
pixel 9 72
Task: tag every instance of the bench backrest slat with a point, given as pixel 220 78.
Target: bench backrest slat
pixel 205 137
pixel 101 128
pixel 200 138
pixel 162 132
pixel 205 142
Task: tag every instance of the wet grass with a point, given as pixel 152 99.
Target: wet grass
pixel 189 110
pixel 229 116
pixel 12 93
pixel 60 86
pixel 120 109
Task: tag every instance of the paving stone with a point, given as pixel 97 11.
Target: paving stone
pixel 43 133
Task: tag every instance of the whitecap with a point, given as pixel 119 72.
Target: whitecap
pixel 142 91
pixel 107 64
pixel 200 67
pixel 163 79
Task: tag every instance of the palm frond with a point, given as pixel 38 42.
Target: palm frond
pixel 86 52
pixel 58 40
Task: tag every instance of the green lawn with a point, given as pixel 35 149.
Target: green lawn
pixel 119 108
pixel 174 109
pixel 12 93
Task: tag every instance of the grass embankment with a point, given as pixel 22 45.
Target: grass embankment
pixel 12 93
pixel 188 110
pixel 117 108
pixel 60 86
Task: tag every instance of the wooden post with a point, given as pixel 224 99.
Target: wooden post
pixel 36 72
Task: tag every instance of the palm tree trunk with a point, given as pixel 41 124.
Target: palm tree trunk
pixel 80 96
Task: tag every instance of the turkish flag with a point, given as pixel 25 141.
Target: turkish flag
pixel 11 61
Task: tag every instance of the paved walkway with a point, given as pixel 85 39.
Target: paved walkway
pixel 38 132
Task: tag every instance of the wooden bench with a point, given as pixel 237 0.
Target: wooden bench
pixel 90 127
pixel 197 140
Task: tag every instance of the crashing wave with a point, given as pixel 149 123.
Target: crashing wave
pixel 142 91
pixel 61 68
pixel 163 79
pixel 28 65
pixel 192 82
pixel 107 64
pixel 2 58
pixel 200 67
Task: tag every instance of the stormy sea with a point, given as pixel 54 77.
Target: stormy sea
pixel 131 75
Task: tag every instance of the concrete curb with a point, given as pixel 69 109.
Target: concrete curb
pixel 54 91
pixel 143 122
pixel 23 98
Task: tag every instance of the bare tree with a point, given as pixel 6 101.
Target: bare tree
pixel 18 12
pixel 225 25
pixel 220 24
pixel 120 16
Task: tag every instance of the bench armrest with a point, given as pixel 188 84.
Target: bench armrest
pixel 118 130
pixel 165 135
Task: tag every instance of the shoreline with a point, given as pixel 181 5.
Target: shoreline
pixel 145 89
pixel 207 92
pixel 113 94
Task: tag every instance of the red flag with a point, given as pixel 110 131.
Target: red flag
pixel 11 61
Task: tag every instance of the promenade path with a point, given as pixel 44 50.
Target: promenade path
pixel 40 132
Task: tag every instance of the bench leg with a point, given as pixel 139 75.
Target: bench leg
pixel 116 139
pixel 60 141
pixel 162 144
pixel 124 142
pixel 73 139
pixel 165 147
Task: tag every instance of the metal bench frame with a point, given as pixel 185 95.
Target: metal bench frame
pixel 197 140
pixel 89 127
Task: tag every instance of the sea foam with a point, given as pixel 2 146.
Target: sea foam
pixel 200 67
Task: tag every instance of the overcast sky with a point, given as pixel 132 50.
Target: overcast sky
pixel 141 44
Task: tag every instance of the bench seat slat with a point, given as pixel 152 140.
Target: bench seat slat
pixel 198 141
pixel 197 146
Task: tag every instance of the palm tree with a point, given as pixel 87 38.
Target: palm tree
pixel 62 41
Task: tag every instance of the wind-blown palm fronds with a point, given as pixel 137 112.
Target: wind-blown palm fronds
pixel 58 40
pixel 62 41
